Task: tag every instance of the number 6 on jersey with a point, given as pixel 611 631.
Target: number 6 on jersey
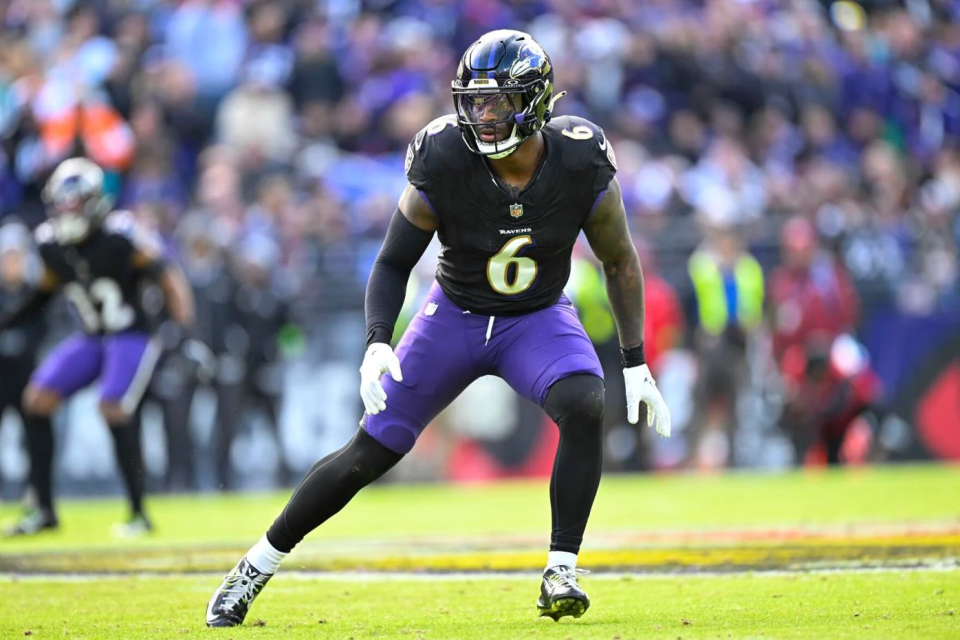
pixel 524 270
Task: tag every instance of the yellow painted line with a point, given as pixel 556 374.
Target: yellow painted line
pixel 898 549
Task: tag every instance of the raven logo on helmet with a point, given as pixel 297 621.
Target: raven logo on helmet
pixel 529 57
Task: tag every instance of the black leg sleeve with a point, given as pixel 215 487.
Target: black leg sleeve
pixel 180 447
pixel 270 405
pixel 327 488
pixel 40 448
pixel 576 404
pixel 231 403
pixel 126 442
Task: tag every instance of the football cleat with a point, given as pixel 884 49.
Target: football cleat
pixel 560 595
pixel 33 522
pixel 136 527
pixel 230 602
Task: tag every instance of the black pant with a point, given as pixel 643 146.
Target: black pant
pixel 237 402
pixel 14 376
pixel 173 388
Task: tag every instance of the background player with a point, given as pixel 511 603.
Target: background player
pixel 100 261
pixel 19 345
pixel 248 317
pixel 508 191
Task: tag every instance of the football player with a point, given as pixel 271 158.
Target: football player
pixel 508 189
pixel 250 316
pixel 99 260
pixel 19 345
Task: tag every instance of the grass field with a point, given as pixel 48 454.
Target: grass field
pixel 740 555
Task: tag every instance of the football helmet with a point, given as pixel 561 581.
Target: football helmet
pixel 503 92
pixel 74 195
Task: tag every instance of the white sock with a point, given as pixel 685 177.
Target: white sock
pixel 264 557
pixel 561 559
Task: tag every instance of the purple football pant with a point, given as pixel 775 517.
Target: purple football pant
pixel 123 362
pixel 444 349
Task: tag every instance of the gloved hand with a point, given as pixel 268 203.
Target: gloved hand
pixel 378 360
pixel 641 388
pixel 199 356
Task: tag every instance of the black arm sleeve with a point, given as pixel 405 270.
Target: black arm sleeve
pixel 27 309
pixel 155 268
pixel 387 287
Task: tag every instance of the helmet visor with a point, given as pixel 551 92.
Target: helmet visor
pixel 491 116
pixel 69 195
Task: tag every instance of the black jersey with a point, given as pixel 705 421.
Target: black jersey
pixel 98 275
pixel 507 252
pixel 20 343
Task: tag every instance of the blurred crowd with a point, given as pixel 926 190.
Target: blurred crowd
pixel 264 138
pixel 286 119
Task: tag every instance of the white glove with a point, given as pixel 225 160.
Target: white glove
pixel 642 388
pixel 378 359
pixel 200 356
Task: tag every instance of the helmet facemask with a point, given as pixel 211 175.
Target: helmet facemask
pixel 76 200
pixel 495 120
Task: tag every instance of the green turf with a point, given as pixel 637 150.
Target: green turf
pixel 625 503
pixel 886 606
pixel 210 532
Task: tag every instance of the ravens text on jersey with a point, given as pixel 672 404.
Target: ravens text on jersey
pixel 507 251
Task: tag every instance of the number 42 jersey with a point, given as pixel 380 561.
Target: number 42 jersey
pixel 99 276
pixel 506 251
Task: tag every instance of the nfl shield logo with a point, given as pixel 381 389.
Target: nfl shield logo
pixel 516 210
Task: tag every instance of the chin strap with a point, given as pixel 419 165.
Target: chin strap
pixel 503 154
pixel 71 229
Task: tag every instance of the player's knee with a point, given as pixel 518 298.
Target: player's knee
pixel 114 414
pixel 394 436
pixel 577 402
pixel 368 459
pixel 40 402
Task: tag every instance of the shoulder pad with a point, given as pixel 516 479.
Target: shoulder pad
pixel 584 149
pixel 437 149
pixel 120 222
pixel 583 142
pixel 124 224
